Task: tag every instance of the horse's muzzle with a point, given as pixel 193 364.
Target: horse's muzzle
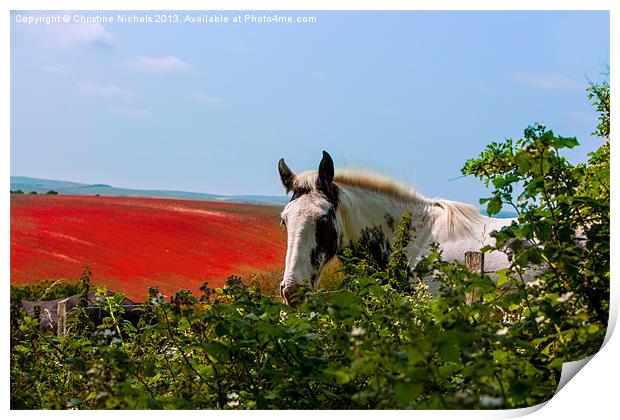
pixel 289 294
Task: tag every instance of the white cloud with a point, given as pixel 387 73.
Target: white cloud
pixel 204 99
pixel 168 64
pixel 84 34
pixel 108 91
pixel 130 113
pixel 70 35
pixel 553 81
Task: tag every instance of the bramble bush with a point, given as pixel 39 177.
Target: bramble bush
pixel 379 340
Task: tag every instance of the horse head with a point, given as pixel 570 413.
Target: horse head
pixel 312 228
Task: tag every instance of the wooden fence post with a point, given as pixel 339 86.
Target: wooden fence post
pixel 61 317
pixel 474 261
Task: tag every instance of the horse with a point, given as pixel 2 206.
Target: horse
pixel 330 210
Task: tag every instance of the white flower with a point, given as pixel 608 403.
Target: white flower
pixel 233 399
pixel 565 297
pixel 534 283
pixel 358 332
pixel 283 316
pixel 502 331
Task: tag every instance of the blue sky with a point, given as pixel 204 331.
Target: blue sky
pixel 212 107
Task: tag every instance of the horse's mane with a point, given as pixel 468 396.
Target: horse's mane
pixel 379 183
pixel 457 216
pixel 367 180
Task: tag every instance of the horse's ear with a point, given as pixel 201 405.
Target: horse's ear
pixel 286 175
pixel 326 170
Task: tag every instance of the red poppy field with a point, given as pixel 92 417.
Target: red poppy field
pixel 131 244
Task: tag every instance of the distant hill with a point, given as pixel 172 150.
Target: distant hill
pixel 27 184
pixel 502 214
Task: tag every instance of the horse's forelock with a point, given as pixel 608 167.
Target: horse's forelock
pixel 306 181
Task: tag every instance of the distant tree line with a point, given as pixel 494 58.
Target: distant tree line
pixel 50 192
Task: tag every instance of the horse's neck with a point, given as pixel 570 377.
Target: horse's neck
pixel 455 228
pixel 361 209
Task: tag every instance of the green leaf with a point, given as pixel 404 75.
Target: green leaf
pixel 494 206
pixel 499 182
pixel 74 402
pixel 342 376
pixel 22 348
pixel 524 162
pixel 217 350
pixel 406 392
pixel 184 324
pixel 503 276
pixel 565 142
pixel 449 352
pixel 500 355
pixel 486 248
